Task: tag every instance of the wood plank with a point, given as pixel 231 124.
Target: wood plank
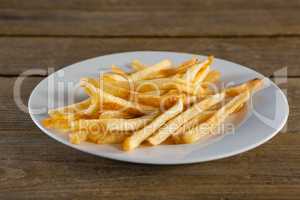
pixel 35 166
pixel 266 55
pixel 143 5
pixel 57 171
pixel 150 18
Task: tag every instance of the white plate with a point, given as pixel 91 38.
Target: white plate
pixel 266 115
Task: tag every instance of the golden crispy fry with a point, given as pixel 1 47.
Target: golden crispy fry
pixel 91 125
pixel 118 70
pixel 156 100
pixel 192 72
pixel 113 138
pixel 56 123
pixel 191 124
pixel 94 137
pixel 111 125
pixel 156 92
pixel 111 87
pixel 112 77
pixel 252 86
pixel 128 124
pixel 171 126
pixel 186 65
pixel 163 84
pixel 212 77
pixel 150 100
pixel 100 137
pixel 146 98
pixel 137 65
pixel 180 69
pixel 201 75
pixel 139 136
pixel 207 127
pixel 109 101
pixel 69 111
pixel 78 136
pixel 107 137
pixel 150 71
pixel 115 114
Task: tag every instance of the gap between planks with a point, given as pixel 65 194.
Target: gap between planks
pixel 152 37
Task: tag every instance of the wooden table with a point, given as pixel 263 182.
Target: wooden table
pixel 264 35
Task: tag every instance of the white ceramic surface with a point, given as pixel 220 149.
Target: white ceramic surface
pixel 266 115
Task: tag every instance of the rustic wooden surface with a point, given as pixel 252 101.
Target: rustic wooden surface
pixel 264 35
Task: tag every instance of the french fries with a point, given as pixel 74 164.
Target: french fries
pixel 191 124
pixel 192 72
pixel 137 65
pixel 154 105
pixel 69 111
pixel 118 70
pixel 113 102
pixel 116 114
pixel 150 72
pixel 206 128
pixel 171 126
pixel 138 137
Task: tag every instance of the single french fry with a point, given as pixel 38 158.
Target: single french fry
pixel 163 84
pixel 128 124
pixel 90 125
pixel 115 114
pixel 112 125
pixel 212 77
pixel 113 138
pixel 139 136
pixel 158 101
pixel 150 71
pixel 118 70
pixel 55 123
pixel 186 65
pixel 171 126
pixel 112 77
pixel 100 137
pixel 191 124
pixel 207 127
pixel 137 65
pixel 156 92
pixel 201 75
pixel 78 137
pixel 182 68
pixel 190 74
pixel 252 85
pixel 104 137
pixel 94 137
pixel 68 111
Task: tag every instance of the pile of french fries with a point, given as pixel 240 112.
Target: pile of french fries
pixel 151 105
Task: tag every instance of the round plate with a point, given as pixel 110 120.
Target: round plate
pixel 266 115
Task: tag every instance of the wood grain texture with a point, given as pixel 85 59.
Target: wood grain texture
pixel 35 166
pixel 143 5
pixel 266 55
pixel 150 18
